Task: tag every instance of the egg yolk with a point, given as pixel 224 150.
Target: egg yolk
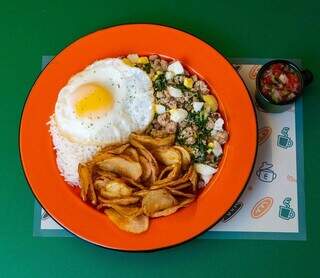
pixel 92 99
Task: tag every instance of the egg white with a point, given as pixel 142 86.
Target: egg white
pixel 132 109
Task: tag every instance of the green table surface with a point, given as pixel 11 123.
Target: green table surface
pixel 257 29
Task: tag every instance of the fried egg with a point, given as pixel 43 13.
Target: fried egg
pixel 104 103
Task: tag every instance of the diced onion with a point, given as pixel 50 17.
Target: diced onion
pixel 204 170
pixel 160 109
pixel 217 149
pixel 174 92
pixel 133 58
pixel 169 75
pixel 218 125
pixel 178 115
pixel 197 106
pixel 176 68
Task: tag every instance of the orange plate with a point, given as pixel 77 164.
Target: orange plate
pixel 65 206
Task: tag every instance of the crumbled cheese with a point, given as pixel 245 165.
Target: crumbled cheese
pixel 169 75
pixel 176 68
pixel 206 178
pixel 133 58
pixel 204 170
pixel 217 149
pixel 178 115
pixel 174 92
pixel 218 125
pixel 197 106
pixel 160 109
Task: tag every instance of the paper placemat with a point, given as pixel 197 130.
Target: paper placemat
pixel 272 205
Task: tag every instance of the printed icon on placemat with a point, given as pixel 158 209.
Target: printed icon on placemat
pixel 284 141
pixel 263 134
pixel 254 71
pixel 285 211
pixel 265 173
pixel 44 215
pixel 232 212
pixel 262 207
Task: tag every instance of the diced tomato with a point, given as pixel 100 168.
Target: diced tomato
pixel 293 78
pixel 277 69
pixel 277 72
pixel 277 90
pixel 293 82
pixel 267 80
pixel 265 89
pixel 292 87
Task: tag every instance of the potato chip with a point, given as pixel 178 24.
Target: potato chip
pixel 153 176
pixel 121 201
pixel 186 158
pixel 151 142
pixel 172 172
pixel 119 149
pixel 144 152
pixel 182 186
pixel 156 200
pixel 124 181
pixel 167 155
pixel 186 202
pixel 115 189
pixel 105 174
pixel 132 182
pixel 132 153
pixel 165 172
pixel 137 225
pixel 122 167
pixel 176 192
pixel 107 151
pixel 141 193
pixel 146 168
pixel 92 194
pixel 85 180
pixel 184 179
pixel 129 211
pixel 171 210
pixel 100 183
pixel 193 178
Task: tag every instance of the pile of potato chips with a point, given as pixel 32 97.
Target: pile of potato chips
pixel 145 178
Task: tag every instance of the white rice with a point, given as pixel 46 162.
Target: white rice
pixel 69 154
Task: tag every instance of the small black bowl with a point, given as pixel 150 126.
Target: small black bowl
pixel 269 105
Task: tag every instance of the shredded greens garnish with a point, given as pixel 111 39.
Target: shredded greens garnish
pixel 199 118
pixel 146 67
pixel 181 87
pixel 160 83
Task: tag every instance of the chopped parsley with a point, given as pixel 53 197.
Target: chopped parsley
pixel 199 118
pixel 146 67
pixel 202 149
pixel 160 83
pixel 181 87
pixel 180 140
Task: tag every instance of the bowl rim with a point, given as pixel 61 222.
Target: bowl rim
pixel 151 249
pixel 276 61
